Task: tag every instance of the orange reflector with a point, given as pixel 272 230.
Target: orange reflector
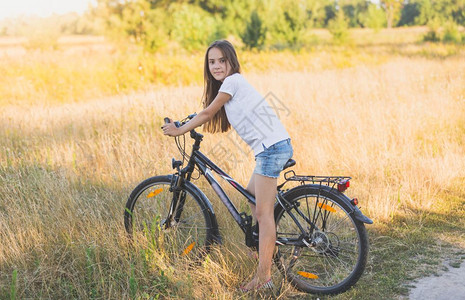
pixel 326 207
pixel 307 275
pixel 188 249
pixel 154 193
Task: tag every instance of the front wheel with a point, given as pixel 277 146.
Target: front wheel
pixel 186 232
pixel 330 255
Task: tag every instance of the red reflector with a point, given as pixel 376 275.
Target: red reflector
pixel 354 201
pixel 341 187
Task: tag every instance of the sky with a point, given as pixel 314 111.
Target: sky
pixel 42 8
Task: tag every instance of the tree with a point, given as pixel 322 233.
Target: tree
pixel 191 26
pixel 254 34
pixel 374 17
pixel 392 9
pixel 354 11
pixel 441 10
pixel 212 6
pixel 236 14
pixel 317 12
pixel 135 20
pixel 288 22
pixel 144 24
pixel 409 13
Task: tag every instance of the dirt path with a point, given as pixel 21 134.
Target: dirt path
pixel 449 285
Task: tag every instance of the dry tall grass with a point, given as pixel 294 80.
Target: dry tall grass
pixel 66 170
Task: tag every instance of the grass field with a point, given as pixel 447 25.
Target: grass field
pixel 80 127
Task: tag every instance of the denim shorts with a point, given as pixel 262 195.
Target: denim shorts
pixel 271 161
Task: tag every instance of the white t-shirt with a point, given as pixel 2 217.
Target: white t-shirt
pixel 250 114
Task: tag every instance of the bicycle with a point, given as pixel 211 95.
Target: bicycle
pixel 322 243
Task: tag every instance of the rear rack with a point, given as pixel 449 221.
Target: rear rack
pixel 331 181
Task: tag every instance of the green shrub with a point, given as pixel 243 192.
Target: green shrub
pixel 374 18
pixel 155 35
pixel 339 28
pixel 433 33
pixel 451 33
pixel 192 27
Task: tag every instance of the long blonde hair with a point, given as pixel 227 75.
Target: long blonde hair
pixel 220 122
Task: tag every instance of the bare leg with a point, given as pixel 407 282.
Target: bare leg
pixel 251 189
pixel 265 190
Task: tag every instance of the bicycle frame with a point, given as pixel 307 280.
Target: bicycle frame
pixel 242 219
pixel 204 164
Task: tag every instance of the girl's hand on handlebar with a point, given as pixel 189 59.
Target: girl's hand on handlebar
pixel 170 129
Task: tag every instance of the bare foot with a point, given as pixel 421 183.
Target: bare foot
pixel 256 284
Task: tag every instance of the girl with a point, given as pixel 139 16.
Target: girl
pixel 229 100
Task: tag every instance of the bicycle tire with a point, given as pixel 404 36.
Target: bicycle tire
pixel 337 249
pixel 191 236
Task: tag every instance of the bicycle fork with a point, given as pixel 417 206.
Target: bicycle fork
pixel 177 201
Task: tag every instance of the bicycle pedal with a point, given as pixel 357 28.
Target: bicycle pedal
pixel 255 229
pixel 251 237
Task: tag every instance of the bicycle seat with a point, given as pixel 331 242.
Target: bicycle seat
pixel 289 163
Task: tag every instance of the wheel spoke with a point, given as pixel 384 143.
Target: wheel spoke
pixel 149 205
pixel 335 255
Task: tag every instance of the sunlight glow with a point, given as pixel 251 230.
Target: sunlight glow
pixel 41 8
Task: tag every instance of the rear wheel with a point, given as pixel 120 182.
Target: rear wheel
pixel 331 254
pixel 188 232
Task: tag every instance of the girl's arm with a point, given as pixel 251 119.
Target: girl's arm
pixel 201 118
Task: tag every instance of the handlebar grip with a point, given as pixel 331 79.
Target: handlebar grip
pixel 167 120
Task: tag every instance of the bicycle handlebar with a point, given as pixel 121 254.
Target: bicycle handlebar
pixel 178 123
